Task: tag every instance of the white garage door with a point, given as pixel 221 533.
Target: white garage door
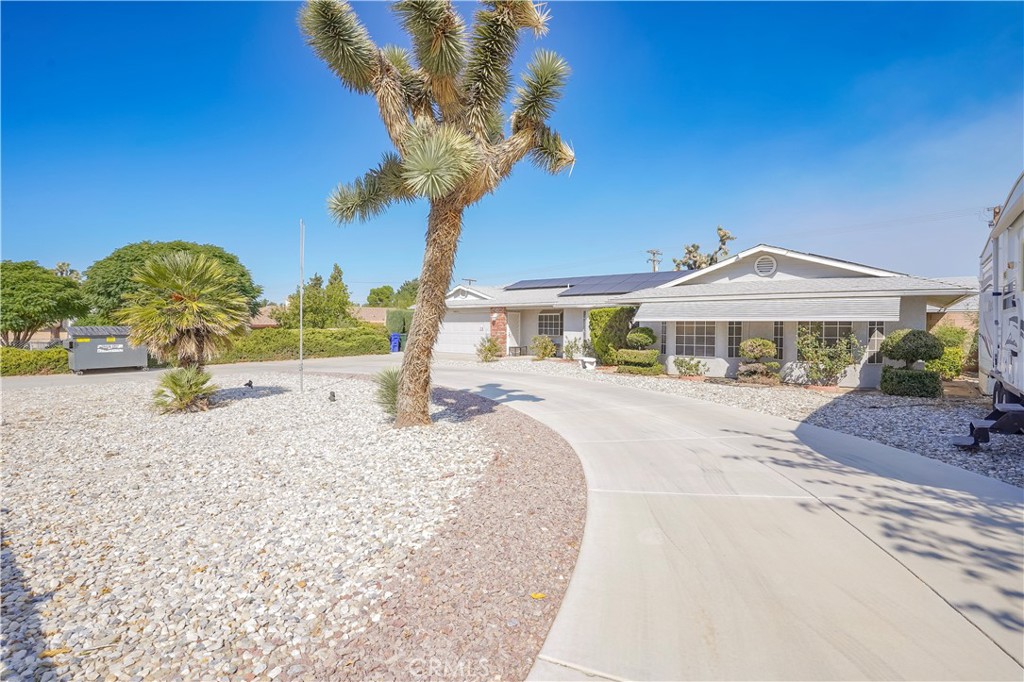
pixel 462 330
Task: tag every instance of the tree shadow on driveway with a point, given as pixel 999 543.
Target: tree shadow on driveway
pixel 960 533
pixel 459 405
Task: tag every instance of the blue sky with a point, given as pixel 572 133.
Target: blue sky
pixel 876 132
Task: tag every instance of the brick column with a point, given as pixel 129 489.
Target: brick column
pixel 499 328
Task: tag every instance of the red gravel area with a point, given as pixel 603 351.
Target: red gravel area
pixel 465 608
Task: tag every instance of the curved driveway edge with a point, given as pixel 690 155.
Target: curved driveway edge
pixel 727 544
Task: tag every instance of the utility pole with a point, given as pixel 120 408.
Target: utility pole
pixel 469 281
pixel 302 281
pixel 655 259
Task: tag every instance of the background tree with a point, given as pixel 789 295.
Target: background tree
pixel 406 294
pixel 63 269
pixel 109 279
pixel 381 297
pixel 186 308
pixel 441 105
pixel 322 307
pixel 31 298
pixel 694 259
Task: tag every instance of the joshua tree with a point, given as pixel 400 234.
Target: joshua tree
pixel 441 105
pixel 694 259
pixel 186 309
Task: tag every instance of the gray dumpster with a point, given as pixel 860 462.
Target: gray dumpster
pixel 103 348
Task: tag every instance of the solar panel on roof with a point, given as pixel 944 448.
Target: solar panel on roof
pixel 596 285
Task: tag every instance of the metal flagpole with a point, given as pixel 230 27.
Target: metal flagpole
pixel 302 281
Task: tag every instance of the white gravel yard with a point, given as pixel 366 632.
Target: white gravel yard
pixel 919 425
pixel 247 541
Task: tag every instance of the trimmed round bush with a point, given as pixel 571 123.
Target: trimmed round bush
pixel 911 345
pixel 917 383
pixel 641 337
pixel 757 349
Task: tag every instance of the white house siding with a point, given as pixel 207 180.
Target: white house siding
pixel 574 321
pixel 787 267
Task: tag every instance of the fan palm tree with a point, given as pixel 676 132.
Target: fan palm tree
pixel 186 310
pixel 441 104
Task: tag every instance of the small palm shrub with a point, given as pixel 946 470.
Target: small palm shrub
pixel 690 367
pixel 542 348
pixel 387 389
pixel 488 349
pixel 572 348
pixel 641 337
pixel 186 389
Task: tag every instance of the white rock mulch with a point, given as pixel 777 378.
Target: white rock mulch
pixel 919 425
pixel 247 541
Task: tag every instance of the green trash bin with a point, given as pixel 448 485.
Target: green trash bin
pixel 402 339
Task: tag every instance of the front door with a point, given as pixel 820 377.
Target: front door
pixel 513 321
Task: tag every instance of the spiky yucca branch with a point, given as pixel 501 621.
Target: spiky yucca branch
pixel 336 35
pixel 438 36
pixel 369 195
pixel 488 75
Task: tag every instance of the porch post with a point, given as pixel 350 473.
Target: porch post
pixel 499 328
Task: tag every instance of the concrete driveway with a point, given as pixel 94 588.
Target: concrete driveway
pixel 727 544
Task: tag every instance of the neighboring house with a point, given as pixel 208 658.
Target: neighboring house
pixel 765 291
pixel 370 314
pixel 961 314
pixel 262 319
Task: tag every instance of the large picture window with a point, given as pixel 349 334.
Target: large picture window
pixel 830 332
pixel 549 324
pixel 735 338
pixel 695 339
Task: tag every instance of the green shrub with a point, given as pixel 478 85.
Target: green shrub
pixel 488 349
pixel 911 345
pixel 951 336
pixel 651 370
pixel 186 389
pixel 262 345
pixel 398 321
pixel 971 362
pixel 757 349
pixel 950 365
pixel 387 381
pixel 19 361
pixel 608 330
pixel 542 347
pixel 639 358
pixel 823 363
pixel 641 337
pixel 911 382
pixel 690 367
pixel 759 373
pixel 572 348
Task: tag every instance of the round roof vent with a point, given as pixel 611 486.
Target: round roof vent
pixel 765 266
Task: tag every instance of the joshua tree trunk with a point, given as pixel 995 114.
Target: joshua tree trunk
pixel 443 228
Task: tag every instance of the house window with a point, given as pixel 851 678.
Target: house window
pixel 695 339
pixel 549 324
pixel 664 333
pixel 876 334
pixel 735 337
pixel 778 337
pixel 830 332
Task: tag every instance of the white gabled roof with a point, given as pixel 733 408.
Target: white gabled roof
pixel 778 251
pixel 480 292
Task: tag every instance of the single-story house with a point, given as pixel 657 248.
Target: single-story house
pixel 765 291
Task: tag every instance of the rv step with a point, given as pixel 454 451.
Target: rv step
pixel 979 429
pixel 964 442
pixel 1009 407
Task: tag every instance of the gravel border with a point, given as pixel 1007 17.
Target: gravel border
pixel 259 540
pixel 477 603
pixel 920 425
